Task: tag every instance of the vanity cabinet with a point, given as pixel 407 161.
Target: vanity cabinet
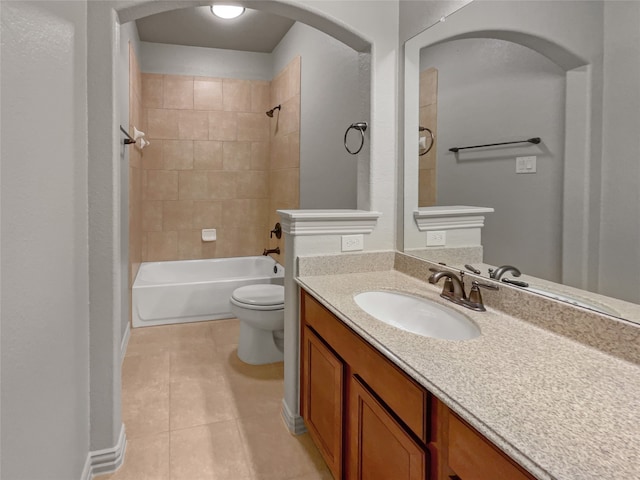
pixel 371 421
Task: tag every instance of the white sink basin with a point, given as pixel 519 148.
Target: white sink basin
pixel 417 315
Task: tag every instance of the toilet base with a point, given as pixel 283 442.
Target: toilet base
pixel 258 347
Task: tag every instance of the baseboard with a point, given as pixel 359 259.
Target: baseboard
pixel 294 423
pixel 107 460
pixel 125 342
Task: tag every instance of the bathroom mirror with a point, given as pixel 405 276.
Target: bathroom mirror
pixel 567 73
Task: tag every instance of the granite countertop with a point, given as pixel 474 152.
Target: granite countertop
pixel 559 408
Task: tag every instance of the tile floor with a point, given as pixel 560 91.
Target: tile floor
pixel 193 411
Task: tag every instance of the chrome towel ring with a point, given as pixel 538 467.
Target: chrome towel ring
pixel 428 149
pixel 362 126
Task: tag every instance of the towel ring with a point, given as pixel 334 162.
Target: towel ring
pixel 425 129
pixel 362 126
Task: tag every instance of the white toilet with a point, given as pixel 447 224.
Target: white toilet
pixel 260 309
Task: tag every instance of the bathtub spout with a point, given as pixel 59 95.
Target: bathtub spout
pixel 271 250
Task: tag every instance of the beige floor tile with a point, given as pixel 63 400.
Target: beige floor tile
pixel 141 370
pixel 199 363
pixel 145 459
pixel 237 370
pixel 274 453
pixel 257 397
pixel 199 402
pixel 225 332
pixel 187 336
pixel 145 409
pixel 209 452
pixel 148 340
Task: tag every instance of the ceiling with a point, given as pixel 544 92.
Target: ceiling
pixel 253 31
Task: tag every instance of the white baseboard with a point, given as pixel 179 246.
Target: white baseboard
pixel 107 460
pixel 125 342
pixel 294 423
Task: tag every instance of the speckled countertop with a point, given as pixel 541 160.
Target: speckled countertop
pixel 561 409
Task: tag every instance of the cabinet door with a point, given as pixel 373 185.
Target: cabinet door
pixel 322 399
pixel 379 447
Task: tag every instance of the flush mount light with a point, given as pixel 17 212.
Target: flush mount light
pixel 227 11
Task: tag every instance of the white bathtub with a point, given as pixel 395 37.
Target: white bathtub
pixel 195 290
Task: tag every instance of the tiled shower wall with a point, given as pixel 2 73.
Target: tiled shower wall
pixel 427 191
pixel 209 163
pixel 135 169
pixel 284 165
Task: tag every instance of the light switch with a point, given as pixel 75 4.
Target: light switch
pixel 526 164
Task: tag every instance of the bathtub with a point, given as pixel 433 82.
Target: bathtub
pixel 195 290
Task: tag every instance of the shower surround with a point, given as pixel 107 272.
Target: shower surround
pixel 216 161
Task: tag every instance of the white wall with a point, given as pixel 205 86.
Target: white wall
pixel 45 296
pixel 493 91
pixel 330 102
pixel 204 62
pixel 620 224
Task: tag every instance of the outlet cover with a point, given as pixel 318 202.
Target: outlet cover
pixel 352 243
pixel 526 164
pixel 436 238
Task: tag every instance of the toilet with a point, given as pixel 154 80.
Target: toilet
pixel 260 309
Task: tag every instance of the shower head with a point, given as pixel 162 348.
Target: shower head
pixel 270 112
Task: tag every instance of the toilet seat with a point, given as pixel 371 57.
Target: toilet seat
pixel 259 297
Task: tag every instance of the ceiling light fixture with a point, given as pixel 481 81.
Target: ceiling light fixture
pixel 227 11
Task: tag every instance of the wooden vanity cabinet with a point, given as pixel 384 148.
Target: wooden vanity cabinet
pixel 371 421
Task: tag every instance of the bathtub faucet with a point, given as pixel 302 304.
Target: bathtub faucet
pixel 271 250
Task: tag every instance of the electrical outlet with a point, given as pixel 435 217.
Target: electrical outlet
pixel 437 238
pixel 351 243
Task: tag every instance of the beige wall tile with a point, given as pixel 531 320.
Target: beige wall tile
pixel 236 95
pixel 177 92
pixel 261 96
pixel 207 155
pixel 210 249
pixel 285 187
pixel 177 215
pixel 426 188
pixel 160 185
pixel 289 120
pixel 253 127
pixel 242 241
pixel 280 152
pixel 428 86
pixel 189 244
pixel 244 212
pixel 279 88
pixel 294 149
pixel 207 93
pixel 162 123
pixel 223 126
pixel 207 214
pixel 236 156
pixel 260 156
pixel 152 156
pixel 253 184
pixel 193 125
pixel 177 154
pixel 293 71
pixel 162 246
pixel 193 185
pixel 152 216
pixel 222 185
pixel 151 90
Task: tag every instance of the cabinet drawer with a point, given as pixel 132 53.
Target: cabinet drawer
pixel 473 457
pixel 401 394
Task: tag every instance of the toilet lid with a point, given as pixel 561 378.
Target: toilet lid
pixel 260 294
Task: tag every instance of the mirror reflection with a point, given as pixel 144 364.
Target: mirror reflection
pixel 566 208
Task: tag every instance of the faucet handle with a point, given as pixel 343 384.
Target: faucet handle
pixel 475 297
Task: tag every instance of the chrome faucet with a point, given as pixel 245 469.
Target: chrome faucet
pixel 500 271
pixel 453 290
